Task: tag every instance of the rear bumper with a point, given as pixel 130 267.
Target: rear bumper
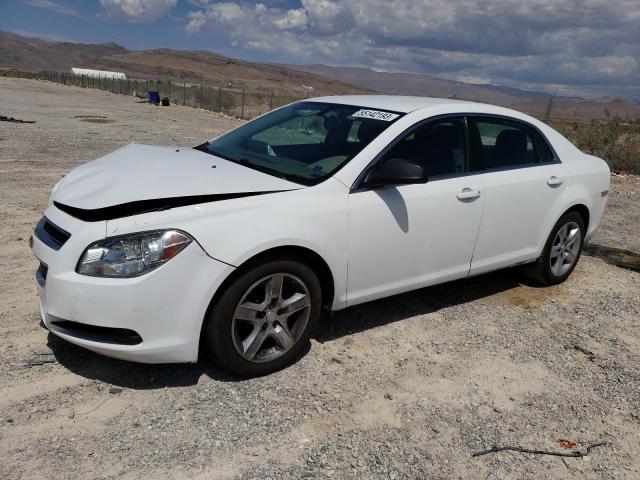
pixel 164 309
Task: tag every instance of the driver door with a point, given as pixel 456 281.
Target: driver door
pixel 409 236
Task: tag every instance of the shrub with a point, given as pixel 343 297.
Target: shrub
pixel 616 142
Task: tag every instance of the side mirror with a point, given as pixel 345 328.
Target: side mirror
pixel 395 172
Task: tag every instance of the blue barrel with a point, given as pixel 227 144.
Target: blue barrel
pixel 154 97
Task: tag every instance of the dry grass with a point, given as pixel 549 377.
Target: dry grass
pixel 617 142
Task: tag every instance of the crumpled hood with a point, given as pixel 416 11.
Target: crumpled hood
pixel 143 174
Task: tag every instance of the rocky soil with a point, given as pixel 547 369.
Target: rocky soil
pixel 403 388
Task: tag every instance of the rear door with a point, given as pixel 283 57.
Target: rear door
pixel 522 183
pixel 409 236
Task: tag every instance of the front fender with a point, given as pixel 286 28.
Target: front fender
pixel 233 231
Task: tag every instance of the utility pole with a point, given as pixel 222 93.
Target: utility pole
pixel 549 107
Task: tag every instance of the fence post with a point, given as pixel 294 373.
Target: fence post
pixel 549 106
pixel 147 88
pixel 137 90
pixel 220 99
pixel 184 93
pixel 242 111
pixel 271 100
pixel 169 89
pixel 200 102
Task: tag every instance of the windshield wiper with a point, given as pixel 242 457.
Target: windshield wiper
pixel 249 164
pixel 270 171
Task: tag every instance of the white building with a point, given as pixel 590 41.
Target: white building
pixel 87 72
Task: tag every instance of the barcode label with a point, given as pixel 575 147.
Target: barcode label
pixel 375 115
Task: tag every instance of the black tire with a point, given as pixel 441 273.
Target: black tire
pixel 218 336
pixel 540 271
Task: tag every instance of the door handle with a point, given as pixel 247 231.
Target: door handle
pixel 554 181
pixel 468 193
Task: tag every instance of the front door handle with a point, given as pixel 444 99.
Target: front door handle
pixel 468 193
pixel 554 181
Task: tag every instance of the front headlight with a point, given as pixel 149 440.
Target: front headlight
pixel 131 255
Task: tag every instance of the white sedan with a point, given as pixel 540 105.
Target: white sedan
pixel 162 254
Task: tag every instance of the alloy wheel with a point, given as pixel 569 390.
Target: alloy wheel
pixel 271 317
pixel 565 249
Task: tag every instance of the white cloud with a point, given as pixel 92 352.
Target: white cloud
pixel 57 7
pixel 137 10
pixel 295 18
pixel 559 42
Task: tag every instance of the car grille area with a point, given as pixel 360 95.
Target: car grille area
pixel 50 234
pixel 118 336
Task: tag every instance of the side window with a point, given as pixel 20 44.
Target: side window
pixel 503 143
pixel 439 146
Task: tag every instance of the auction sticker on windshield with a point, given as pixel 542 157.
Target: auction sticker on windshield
pixel 375 115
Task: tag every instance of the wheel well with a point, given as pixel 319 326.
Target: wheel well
pixel 581 210
pixel 305 255
pixel 309 257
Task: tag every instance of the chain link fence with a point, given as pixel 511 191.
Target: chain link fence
pixel 234 101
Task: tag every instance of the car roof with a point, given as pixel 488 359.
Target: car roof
pixel 395 103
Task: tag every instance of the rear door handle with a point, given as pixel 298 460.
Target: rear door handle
pixel 554 181
pixel 468 193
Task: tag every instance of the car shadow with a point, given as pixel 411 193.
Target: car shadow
pixel 137 376
pixel 352 320
pixel 418 302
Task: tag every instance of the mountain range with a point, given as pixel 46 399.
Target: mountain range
pixel 209 68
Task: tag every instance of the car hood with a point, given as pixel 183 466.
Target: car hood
pixel 140 178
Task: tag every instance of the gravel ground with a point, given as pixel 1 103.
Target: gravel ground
pixel 406 387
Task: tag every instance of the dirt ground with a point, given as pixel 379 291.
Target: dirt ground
pixel 406 387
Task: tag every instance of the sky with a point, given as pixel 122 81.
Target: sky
pixel 574 47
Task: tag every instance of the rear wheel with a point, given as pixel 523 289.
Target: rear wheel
pixel 263 320
pixel 561 251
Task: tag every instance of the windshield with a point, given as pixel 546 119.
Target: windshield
pixel 305 142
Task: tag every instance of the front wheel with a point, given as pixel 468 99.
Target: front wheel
pixel 561 251
pixel 263 320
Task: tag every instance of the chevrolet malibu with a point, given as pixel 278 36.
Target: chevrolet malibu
pixel 231 249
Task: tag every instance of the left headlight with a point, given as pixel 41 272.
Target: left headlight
pixel 131 255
